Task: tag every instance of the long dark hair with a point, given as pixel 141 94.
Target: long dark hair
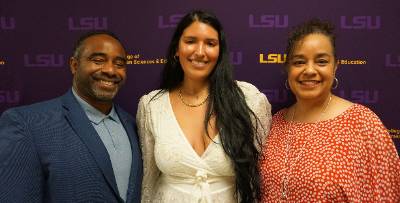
pixel 227 103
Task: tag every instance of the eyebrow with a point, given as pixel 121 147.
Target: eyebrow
pixel 318 55
pixel 192 37
pixel 95 54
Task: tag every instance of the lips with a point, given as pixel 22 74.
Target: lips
pixel 198 63
pixel 107 83
pixel 309 83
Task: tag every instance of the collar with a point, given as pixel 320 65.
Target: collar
pixel 94 115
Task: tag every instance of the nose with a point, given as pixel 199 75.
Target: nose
pixel 199 52
pixel 310 68
pixel 109 69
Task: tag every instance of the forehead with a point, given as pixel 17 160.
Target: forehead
pixel 200 29
pixel 102 44
pixel 314 43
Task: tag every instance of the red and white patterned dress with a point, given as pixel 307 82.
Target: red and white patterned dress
pixel 349 158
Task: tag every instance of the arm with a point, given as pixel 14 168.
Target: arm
pixel 21 175
pixel 260 106
pixel 145 130
pixel 384 160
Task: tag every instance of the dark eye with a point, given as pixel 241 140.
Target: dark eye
pixel 298 62
pixel 212 43
pixel 120 63
pixel 98 61
pixel 189 41
pixel 322 62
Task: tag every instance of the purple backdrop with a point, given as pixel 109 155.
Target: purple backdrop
pixel 36 40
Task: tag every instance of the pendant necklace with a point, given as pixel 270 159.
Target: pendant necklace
pixel 286 178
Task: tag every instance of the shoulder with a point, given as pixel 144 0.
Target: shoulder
pixel 152 101
pixel 44 107
pixel 362 112
pixel 252 95
pixel 247 88
pixel 152 96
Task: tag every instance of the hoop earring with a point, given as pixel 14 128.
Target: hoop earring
pixel 337 83
pixel 176 58
pixel 287 84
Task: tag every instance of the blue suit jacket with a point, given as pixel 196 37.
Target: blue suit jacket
pixel 50 152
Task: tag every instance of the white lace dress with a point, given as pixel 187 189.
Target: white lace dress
pixel 173 171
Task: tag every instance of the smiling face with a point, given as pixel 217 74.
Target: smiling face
pixel 99 70
pixel 312 68
pixel 198 50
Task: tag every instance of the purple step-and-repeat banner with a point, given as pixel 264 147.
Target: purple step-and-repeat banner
pixel 36 40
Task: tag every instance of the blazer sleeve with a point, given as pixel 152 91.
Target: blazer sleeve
pixel 145 130
pixel 21 177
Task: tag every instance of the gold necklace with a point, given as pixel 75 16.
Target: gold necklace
pixel 190 105
pixel 286 178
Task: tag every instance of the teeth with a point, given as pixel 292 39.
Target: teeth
pixel 198 63
pixel 106 82
pixel 312 82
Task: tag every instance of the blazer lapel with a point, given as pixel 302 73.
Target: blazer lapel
pixel 135 177
pixel 83 128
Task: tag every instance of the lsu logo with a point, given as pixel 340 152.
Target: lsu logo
pixel 361 96
pixel 392 61
pixel 276 95
pixel 87 23
pixel 169 21
pixel 7 23
pixel 44 60
pixel 273 58
pixel 360 22
pixel 268 21
pixel 9 97
pixel 236 57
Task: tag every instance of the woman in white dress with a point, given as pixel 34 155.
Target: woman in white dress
pixel 201 132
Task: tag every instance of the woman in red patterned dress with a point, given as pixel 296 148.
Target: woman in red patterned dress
pixel 324 148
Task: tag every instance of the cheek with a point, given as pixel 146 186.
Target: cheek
pixel 184 50
pixel 213 53
pixel 122 73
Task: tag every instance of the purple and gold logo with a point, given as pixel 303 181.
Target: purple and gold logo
pixel 276 95
pixel 236 57
pixel 169 21
pixel 7 23
pixel 268 21
pixel 360 22
pixel 9 96
pixel 272 58
pixel 392 60
pixel 87 23
pixel 361 96
pixel 44 60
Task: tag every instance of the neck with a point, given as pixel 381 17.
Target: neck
pixel 104 107
pixel 311 110
pixel 194 88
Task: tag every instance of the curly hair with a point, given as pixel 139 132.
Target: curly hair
pixel 313 26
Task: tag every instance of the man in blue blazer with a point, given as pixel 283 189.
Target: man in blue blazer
pixel 79 147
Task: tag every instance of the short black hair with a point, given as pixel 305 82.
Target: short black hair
pixel 78 45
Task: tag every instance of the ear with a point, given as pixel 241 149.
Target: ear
pixel 73 65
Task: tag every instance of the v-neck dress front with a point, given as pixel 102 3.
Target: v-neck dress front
pixel 173 171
